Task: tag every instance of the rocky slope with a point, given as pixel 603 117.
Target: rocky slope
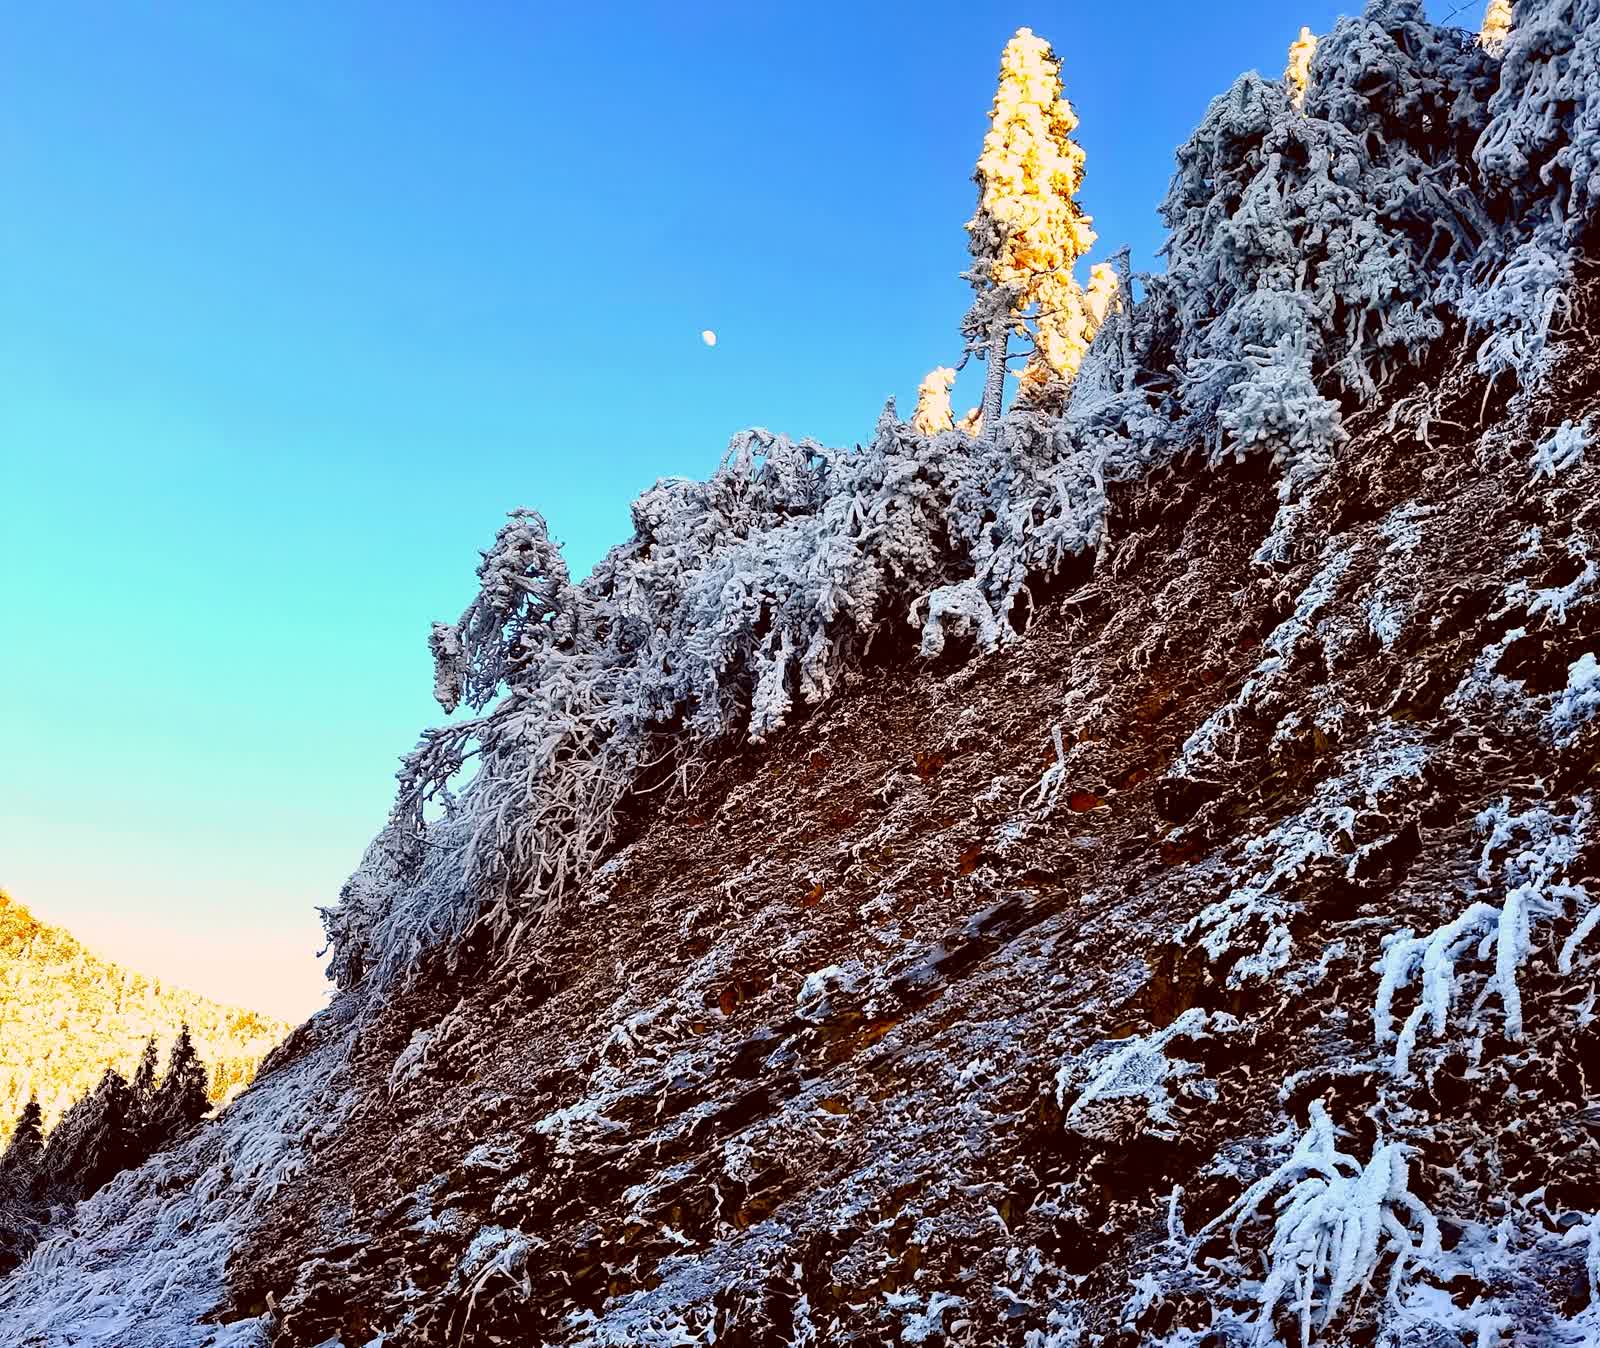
pixel 1192 941
pixel 813 1055
pixel 66 1015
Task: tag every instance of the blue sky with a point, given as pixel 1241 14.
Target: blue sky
pixel 296 300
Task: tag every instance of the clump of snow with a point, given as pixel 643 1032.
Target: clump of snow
pixel 1559 599
pixel 1402 527
pixel 1483 689
pixel 1138 1068
pixel 821 984
pixel 924 1320
pixel 1577 704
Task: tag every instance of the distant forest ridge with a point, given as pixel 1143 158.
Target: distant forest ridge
pixel 66 1015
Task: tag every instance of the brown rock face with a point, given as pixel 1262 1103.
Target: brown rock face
pixel 944 1017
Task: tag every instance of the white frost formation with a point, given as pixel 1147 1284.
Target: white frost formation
pixel 1533 892
pixel 1336 1222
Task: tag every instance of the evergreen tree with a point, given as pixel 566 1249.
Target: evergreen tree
pixel 181 1099
pixel 27 1142
pixel 1496 28
pixel 1298 73
pixel 96 1138
pixel 933 402
pixel 144 1079
pixel 1029 230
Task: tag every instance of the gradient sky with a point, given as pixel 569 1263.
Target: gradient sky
pixel 296 300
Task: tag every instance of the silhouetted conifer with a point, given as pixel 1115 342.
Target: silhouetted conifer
pixel 95 1139
pixel 144 1079
pixel 27 1144
pixel 181 1098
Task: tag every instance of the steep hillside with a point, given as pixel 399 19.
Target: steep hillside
pixel 66 1015
pixel 906 1030
pixel 1124 875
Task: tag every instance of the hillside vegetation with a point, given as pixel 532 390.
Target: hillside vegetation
pixel 66 1015
pixel 1112 871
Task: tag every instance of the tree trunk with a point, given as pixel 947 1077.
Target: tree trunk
pixel 994 379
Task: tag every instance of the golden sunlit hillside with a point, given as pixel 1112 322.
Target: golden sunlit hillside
pixel 66 1015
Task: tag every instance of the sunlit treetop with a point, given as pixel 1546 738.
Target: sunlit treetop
pixel 1031 169
pixel 1029 230
pixel 1496 27
pixel 933 402
pixel 1298 74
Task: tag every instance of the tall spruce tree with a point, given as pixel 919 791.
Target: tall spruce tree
pixel 27 1143
pixel 181 1099
pixel 1496 30
pixel 1029 230
pixel 144 1078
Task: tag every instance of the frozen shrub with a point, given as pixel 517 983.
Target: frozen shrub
pixel 1335 1223
pixel 736 600
pixel 1578 702
pixel 1560 450
pixel 1541 849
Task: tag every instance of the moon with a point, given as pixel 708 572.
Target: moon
pixel 708 337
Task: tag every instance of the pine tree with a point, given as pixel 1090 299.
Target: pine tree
pixel 1496 27
pixel 144 1079
pixel 1029 230
pixel 181 1099
pixel 1298 73
pixel 27 1143
pixel 95 1139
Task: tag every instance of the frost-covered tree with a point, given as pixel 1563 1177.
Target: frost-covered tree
pixel 95 1139
pixel 144 1077
pixel 736 601
pixel 22 1212
pixel 1539 157
pixel 1334 1224
pixel 933 413
pixel 117 1126
pixel 1297 75
pixel 1496 27
pixel 21 1156
pixel 180 1100
pixel 1306 245
pixel 1029 230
